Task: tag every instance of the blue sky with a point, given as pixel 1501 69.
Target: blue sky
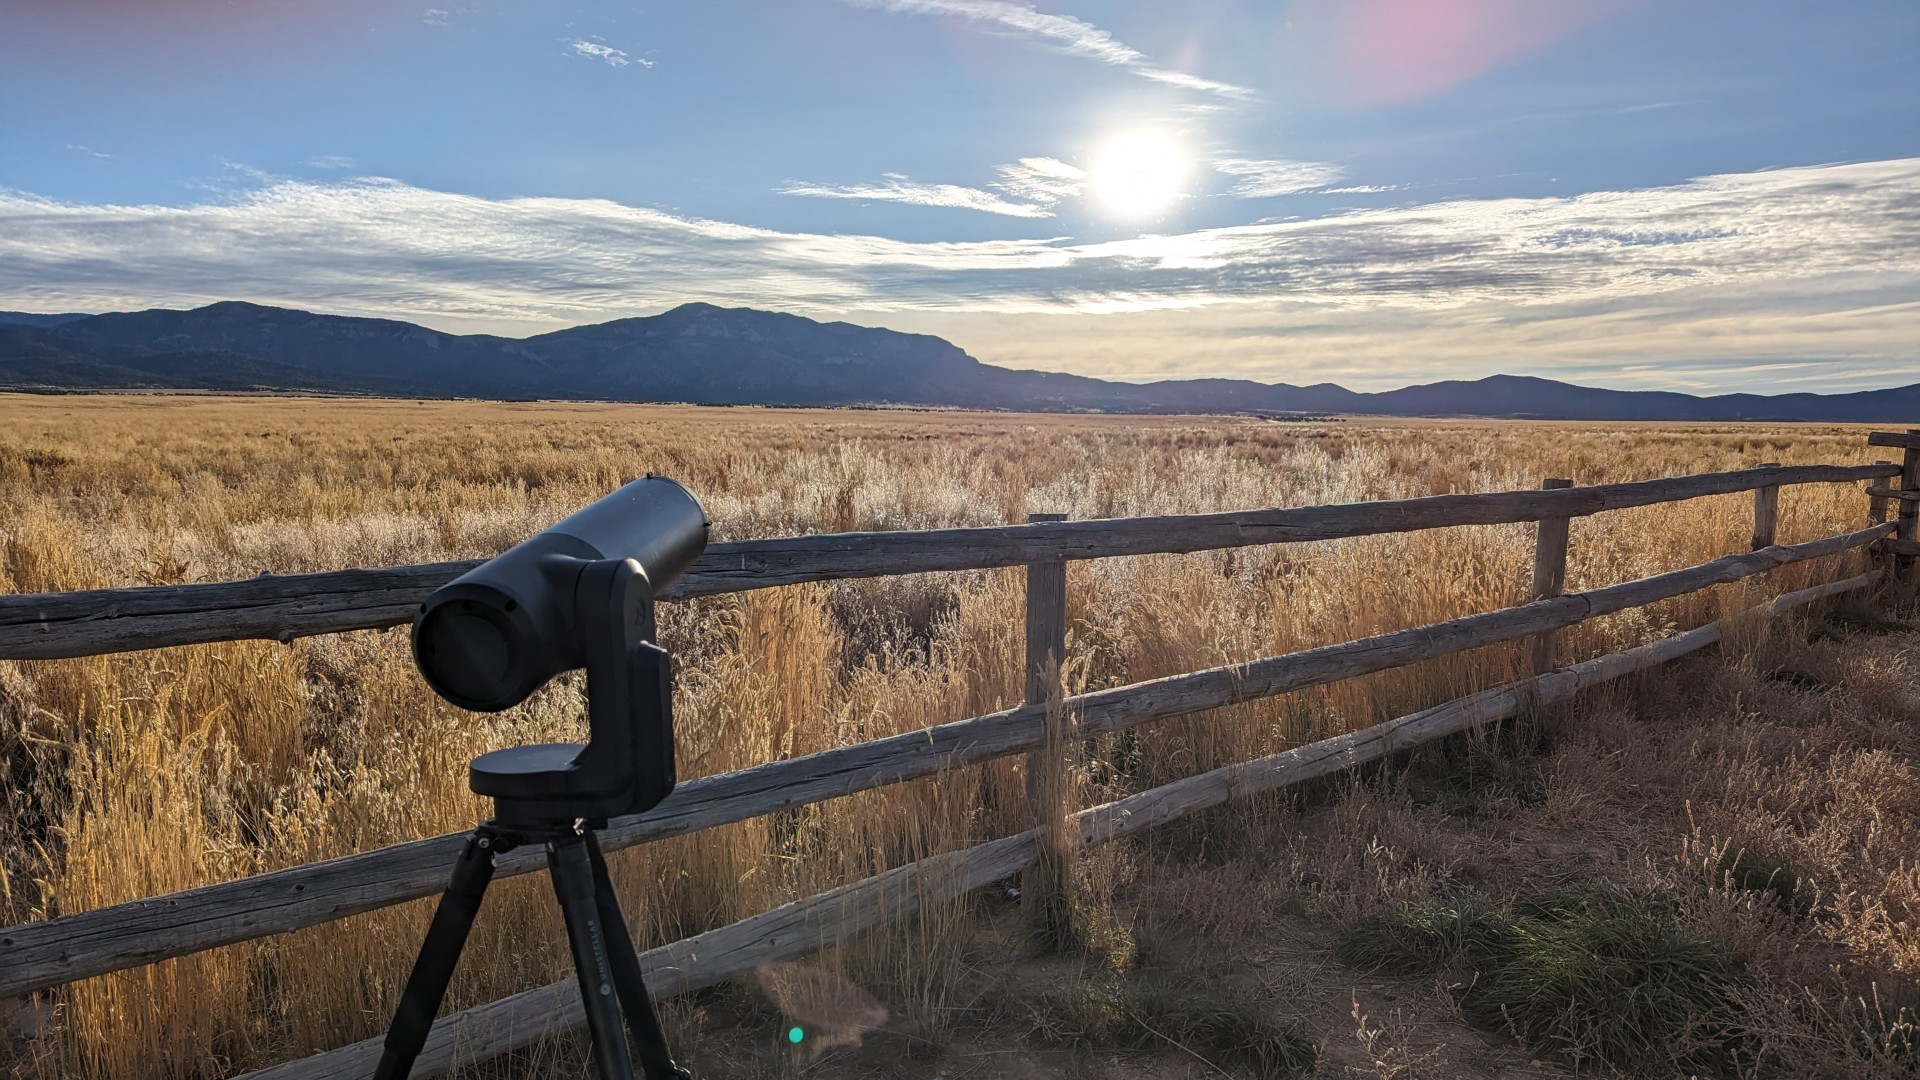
pixel 1695 195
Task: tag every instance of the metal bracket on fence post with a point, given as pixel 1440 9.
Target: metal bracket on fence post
pixel 1766 511
pixel 1043 886
pixel 1549 572
pixel 1909 512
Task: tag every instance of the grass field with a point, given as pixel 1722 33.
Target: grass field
pixel 134 775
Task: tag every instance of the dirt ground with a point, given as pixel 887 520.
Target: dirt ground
pixel 1366 1026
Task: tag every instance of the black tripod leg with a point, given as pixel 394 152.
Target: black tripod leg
pixel 628 979
pixel 433 968
pixel 573 885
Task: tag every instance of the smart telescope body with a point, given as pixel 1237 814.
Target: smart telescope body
pixel 579 594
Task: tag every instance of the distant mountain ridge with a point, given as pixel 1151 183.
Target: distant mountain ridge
pixel 711 355
pixel 27 318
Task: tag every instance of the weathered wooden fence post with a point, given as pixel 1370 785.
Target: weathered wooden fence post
pixel 1877 515
pixel 1549 572
pixel 1766 510
pixel 1909 512
pixel 1876 499
pixel 1905 545
pixel 1044 886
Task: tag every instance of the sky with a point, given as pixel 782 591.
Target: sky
pixel 1698 195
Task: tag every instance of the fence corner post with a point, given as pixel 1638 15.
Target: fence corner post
pixel 1876 503
pixel 1909 513
pixel 1877 515
pixel 1549 571
pixel 1043 888
pixel 1766 511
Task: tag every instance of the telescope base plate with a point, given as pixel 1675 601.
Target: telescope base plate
pixel 524 771
pixel 538 786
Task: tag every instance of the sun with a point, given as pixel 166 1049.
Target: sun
pixel 1138 173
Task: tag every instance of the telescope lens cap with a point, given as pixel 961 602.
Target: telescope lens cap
pixel 465 649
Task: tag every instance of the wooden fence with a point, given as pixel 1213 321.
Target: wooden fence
pixel 39 955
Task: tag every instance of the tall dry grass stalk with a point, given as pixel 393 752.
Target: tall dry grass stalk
pixel 134 775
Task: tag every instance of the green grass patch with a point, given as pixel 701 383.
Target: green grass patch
pixel 1754 870
pixel 1489 776
pixel 1414 939
pixel 1081 928
pixel 1586 975
pixel 1228 1029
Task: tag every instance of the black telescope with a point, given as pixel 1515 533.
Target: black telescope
pixel 578 595
pixel 498 632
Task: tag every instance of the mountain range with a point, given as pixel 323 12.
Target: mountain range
pixel 713 355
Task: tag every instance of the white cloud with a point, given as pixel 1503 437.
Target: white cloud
pixel 612 57
pixel 1033 186
pixel 243 174
pixel 1041 180
pixel 87 150
pixel 897 188
pixel 1363 189
pixel 331 161
pixel 435 16
pixel 1820 263
pixel 1193 82
pixel 1064 32
pixel 1262 179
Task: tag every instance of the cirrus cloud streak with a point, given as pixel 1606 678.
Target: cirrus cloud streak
pixel 1264 179
pixel 1074 37
pixel 894 187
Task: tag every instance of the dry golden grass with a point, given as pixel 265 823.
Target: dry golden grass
pixel 129 776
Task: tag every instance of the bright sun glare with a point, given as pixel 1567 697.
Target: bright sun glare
pixel 1139 173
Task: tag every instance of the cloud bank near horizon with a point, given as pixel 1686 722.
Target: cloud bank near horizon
pixel 1727 281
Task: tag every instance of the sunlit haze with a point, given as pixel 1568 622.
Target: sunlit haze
pixel 1699 197
pixel 1138 173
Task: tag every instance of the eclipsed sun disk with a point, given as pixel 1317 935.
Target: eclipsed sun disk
pixel 1138 174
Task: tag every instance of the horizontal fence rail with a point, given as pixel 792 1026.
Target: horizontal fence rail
pixel 59 625
pixel 1908 441
pixel 802 926
pixel 43 954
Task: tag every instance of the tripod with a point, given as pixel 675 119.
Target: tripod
pixel 557 794
pixel 603 954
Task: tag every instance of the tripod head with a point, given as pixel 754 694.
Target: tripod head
pixel 579 594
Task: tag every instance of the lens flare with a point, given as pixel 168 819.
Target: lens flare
pixel 823 1010
pixel 1385 52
